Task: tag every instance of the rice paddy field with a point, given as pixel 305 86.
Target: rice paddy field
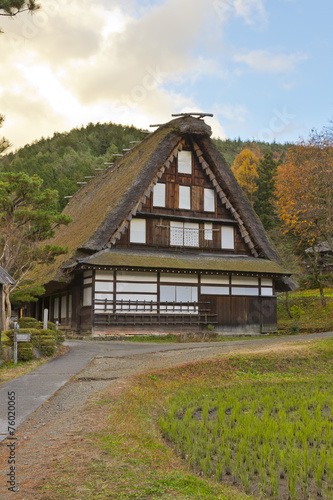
pixel 273 439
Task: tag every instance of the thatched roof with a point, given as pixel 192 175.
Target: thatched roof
pixel 101 208
pixel 142 259
pixel 5 278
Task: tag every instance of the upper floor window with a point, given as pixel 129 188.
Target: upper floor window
pixel 184 234
pixel 184 197
pixel 159 195
pixel 185 162
pixel 138 231
pixel 209 200
pixel 227 238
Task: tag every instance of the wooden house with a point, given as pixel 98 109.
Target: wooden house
pixel 164 239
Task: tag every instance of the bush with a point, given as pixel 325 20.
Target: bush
pixel 24 351
pixel 35 334
pixel 50 325
pixel 60 338
pixel 28 323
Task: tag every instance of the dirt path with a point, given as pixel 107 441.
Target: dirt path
pixel 43 437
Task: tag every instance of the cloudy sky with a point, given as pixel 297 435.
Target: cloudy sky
pixel 262 67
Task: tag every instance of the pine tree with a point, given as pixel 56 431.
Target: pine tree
pixel 27 218
pixel 264 196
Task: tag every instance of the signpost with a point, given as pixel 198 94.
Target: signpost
pixel 19 337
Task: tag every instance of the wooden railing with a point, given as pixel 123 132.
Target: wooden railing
pixel 142 306
pixel 147 312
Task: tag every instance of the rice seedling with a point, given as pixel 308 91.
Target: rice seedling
pixel 265 437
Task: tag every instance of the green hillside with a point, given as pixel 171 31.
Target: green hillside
pixel 70 157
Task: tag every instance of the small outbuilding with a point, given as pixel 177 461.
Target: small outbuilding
pixel 164 239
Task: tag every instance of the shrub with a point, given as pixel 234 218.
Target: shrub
pixel 50 325
pixel 28 322
pixel 35 334
pixel 24 351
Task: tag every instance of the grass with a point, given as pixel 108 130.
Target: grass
pixel 10 371
pixel 313 317
pixel 124 456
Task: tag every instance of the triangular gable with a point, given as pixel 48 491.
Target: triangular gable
pixel 220 193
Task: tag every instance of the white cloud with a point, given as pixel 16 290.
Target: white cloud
pixel 251 10
pixel 264 61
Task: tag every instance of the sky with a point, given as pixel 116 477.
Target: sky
pixel 262 67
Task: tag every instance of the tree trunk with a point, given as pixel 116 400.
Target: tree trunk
pixel 288 306
pixel 315 267
pixel 7 307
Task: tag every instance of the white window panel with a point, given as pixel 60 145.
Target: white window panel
pixel 186 294
pixel 244 280
pixel 159 195
pixel 87 299
pixel 191 234
pixel 179 277
pixel 227 238
pixel 137 287
pixel 87 277
pixel 176 233
pixel 56 308
pixel 185 162
pixel 167 293
pixel 138 231
pixel 236 290
pixel 215 290
pixel 104 286
pixel 103 296
pixel 208 231
pixel 104 275
pixel 215 280
pixel 100 305
pixel 185 197
pixel 266 282
pixel 267 291
pixel 63 306
pixel 136 276
pixel 209 200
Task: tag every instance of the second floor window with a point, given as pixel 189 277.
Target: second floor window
pixel 138 231
pixel 184 197
pixel 184 234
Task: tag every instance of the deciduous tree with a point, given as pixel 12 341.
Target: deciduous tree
pixel 27 218
pixel 304 191
pixel 245 169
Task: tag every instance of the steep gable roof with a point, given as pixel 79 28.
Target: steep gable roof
pixel 107 203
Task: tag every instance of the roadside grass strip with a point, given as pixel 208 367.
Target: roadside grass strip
pixel 245 426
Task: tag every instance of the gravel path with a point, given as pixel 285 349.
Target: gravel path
pixel 41 438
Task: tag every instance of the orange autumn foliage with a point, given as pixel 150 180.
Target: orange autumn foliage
pixel 304 189
pixel 245 168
